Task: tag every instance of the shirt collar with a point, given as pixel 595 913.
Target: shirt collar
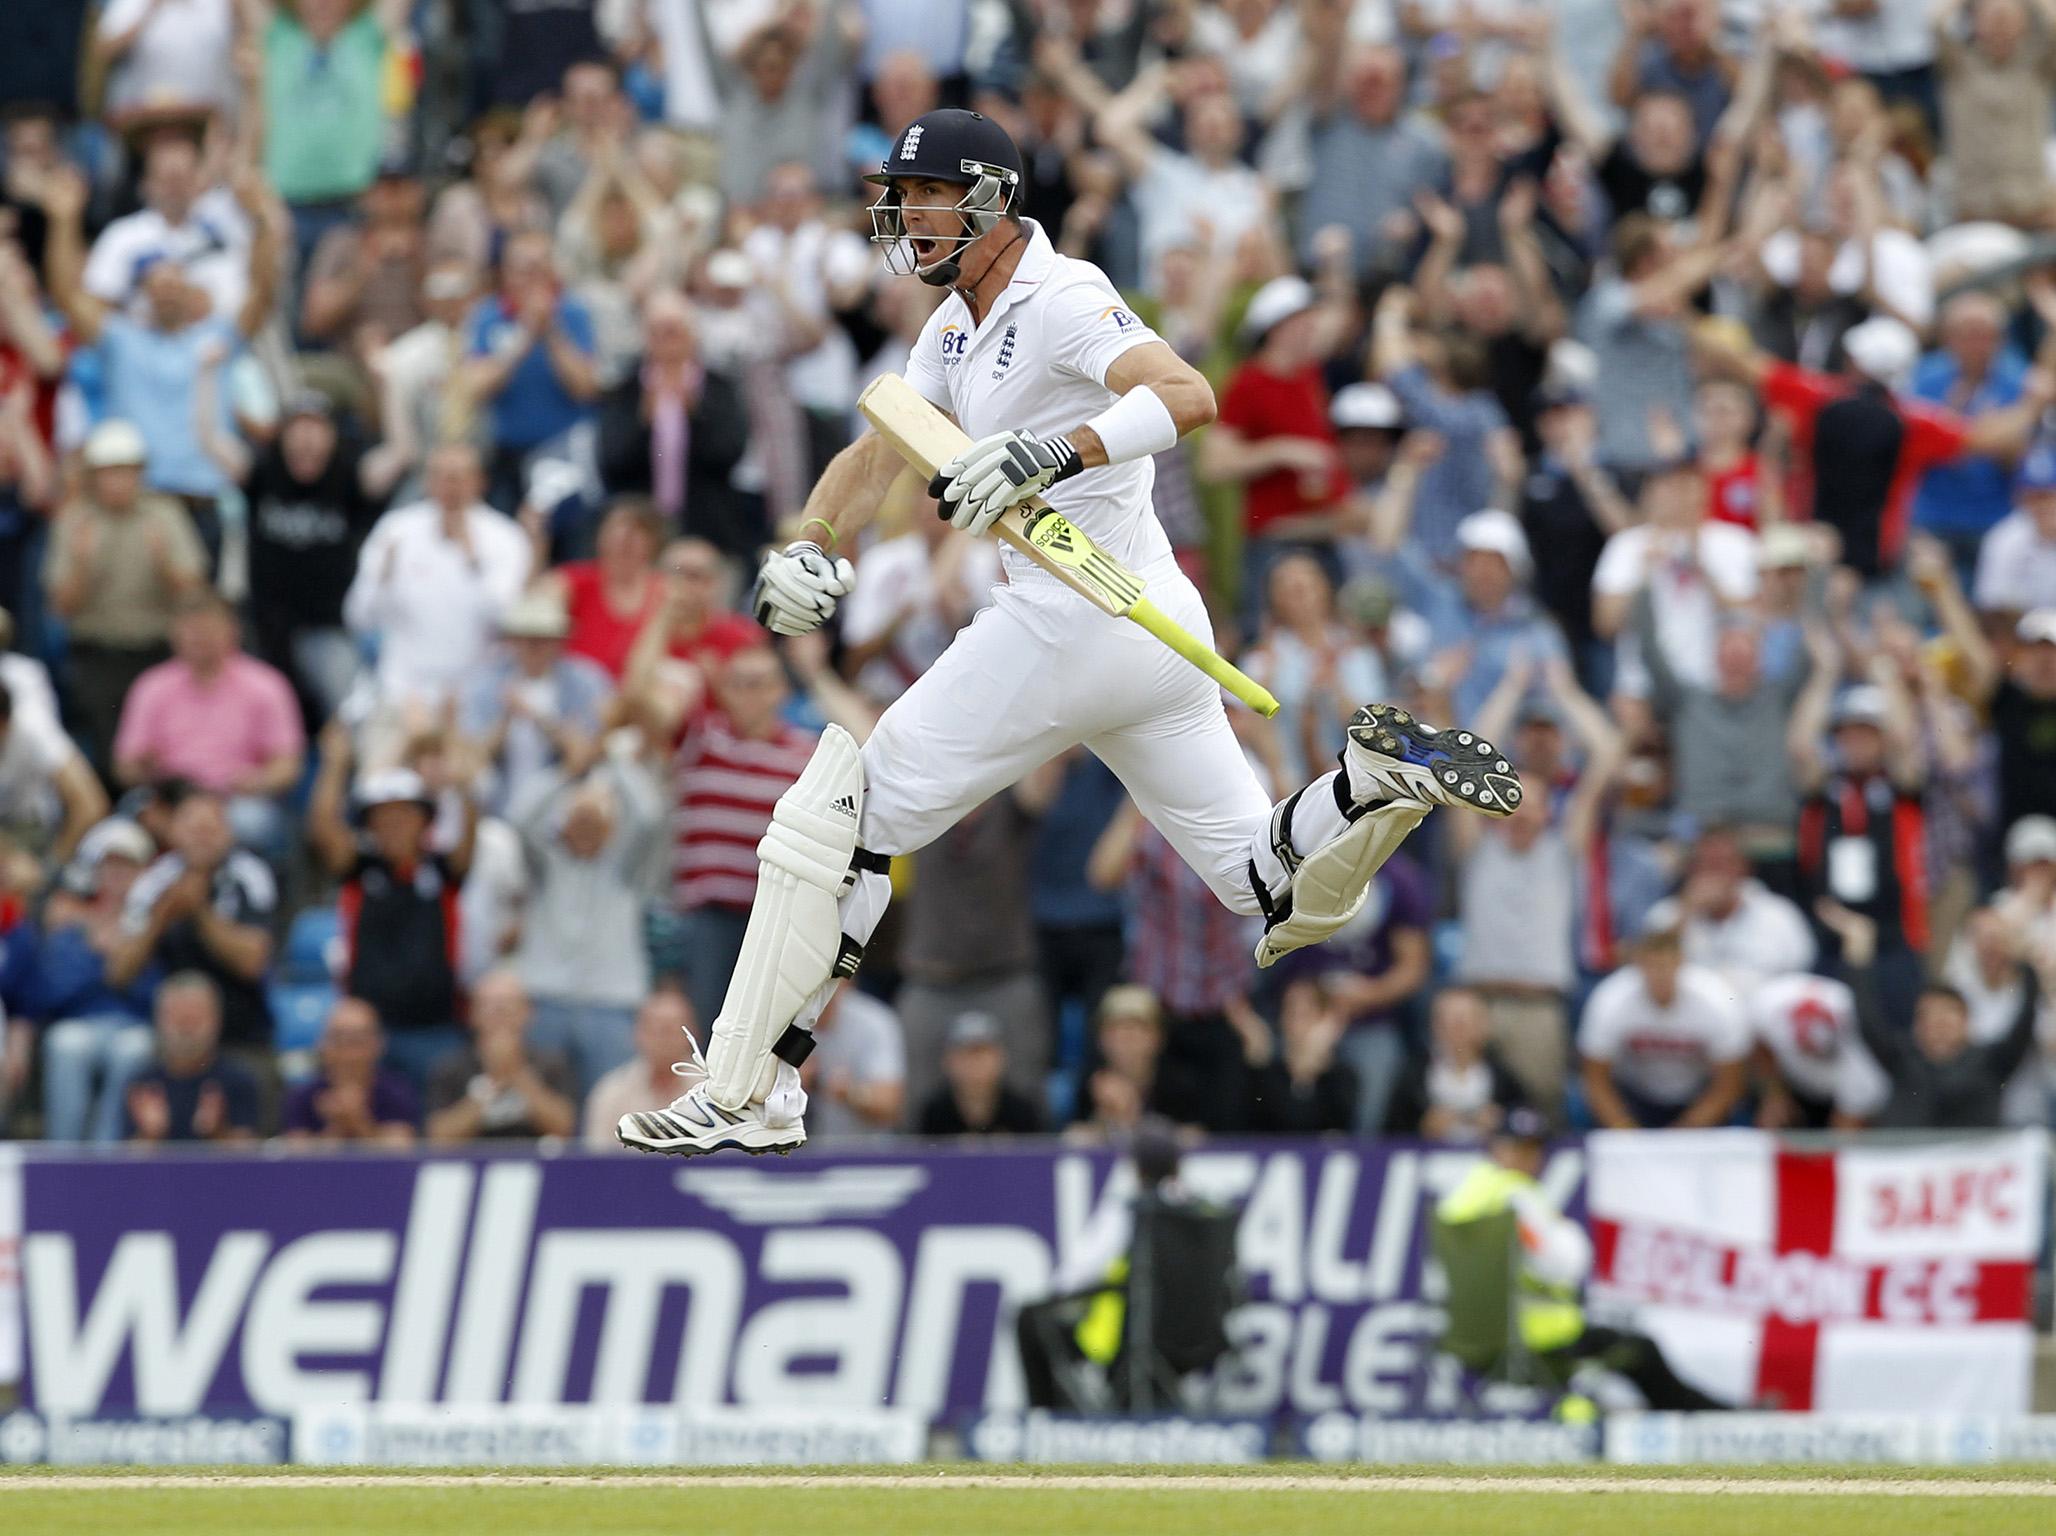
pixel 1035 265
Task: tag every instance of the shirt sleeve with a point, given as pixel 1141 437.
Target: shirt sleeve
pixel 1796 392
pixel 1088 328
pixel 1933 436
pixel 138 728
pixel 1599 1028
pixel 183 543
pixel 279 730
pixel 1622 566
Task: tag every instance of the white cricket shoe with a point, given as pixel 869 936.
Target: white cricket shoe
pixel 1392 756
pixel 695 1125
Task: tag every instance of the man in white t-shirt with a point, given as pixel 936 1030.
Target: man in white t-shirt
pixel 1696 570
pixel 1818 1072
pixel 1733 925
pixel 1664 1043
pixel 856 1079
pixel 48 794
pixel 182 221
pixel 914 593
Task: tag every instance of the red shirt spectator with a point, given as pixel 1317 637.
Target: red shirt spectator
pixel 692 573
pixel 1273 433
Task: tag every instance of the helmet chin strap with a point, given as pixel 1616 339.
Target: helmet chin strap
pixel 967 289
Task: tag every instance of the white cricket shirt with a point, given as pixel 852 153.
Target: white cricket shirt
pixel 1808 1024
pixel 1038 363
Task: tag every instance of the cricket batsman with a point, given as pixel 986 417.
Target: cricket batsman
pixel 1066 395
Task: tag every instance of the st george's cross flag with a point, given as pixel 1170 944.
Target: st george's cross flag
pixel 1883 1279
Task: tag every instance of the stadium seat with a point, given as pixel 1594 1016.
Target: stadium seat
pixel 313 935
pixel 298 1010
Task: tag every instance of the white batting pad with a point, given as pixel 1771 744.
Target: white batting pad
pixel 1331 883
pixel 795 927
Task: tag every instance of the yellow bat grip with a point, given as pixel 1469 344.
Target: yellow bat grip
pixel 1186 644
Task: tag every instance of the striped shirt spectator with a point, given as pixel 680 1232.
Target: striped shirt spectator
pixel 1183 945
pixel 727 782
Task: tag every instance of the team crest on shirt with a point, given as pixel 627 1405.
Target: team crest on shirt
pixel 952 339
pixel 1123 321
pixel 1006 352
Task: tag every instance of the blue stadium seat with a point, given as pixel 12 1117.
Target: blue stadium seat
pixel 298 1010
pixel 308 942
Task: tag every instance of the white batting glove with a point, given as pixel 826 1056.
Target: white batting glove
pixel 798 587
pixel 1000 471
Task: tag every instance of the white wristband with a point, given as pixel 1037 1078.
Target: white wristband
pixel 1135 426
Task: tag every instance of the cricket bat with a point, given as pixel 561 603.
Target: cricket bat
pixel 927 439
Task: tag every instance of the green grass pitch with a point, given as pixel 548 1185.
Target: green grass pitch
pixel 962 1501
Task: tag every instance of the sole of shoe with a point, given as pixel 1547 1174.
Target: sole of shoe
pixel 1444 767
pixel 648 1133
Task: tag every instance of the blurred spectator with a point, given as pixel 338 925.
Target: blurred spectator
pixel 1569 508
pixel 1984 966
pixel 120 558
pixel 421 400
pixel 363 283
pixel 777 105
pixel 1695 571
pixel 1862 826
pixel 2016 560
pixel 1996 66
pixel 1132 1079
pixel 1732 925
pixel 856 1076
pixel 48 794
pixel 186 225
pixel 1367 154
pixel 673 430
pixel 1372 970
pixel 1865 445
pixel 731 764
pixel 2028 902
pixel 1298 1086
pixel 618 244
pixel 968 937
pixel 165 58
pixel 205 906
pixel 915 591
pixel 93 1029
pixel 1975 371
pixel 191 1092
pixel 311 500
pixel 218 718
pixel 1813 1069
pixel 352 1098
pixel 1079 944
pixel 532 364
pixel 1458 1091
pixel 1728 736
pixel 564 140
pixel 1517 897
pixel 159 359
pixel 973 1098
pixel 1739 489
pixel 325 77
pixel 2022 701
pixel 1663 1042
pixel 1940 1079
pixel 496 1085
pixel 1441 384
pixel 609 600
pixel 1273 435
pixel 531 712
pixel 645 1081
pixel 1485 621
pixel 1316 667
pixel 1190 957
pixel 432 581
pixel 398 901
pixel 588 845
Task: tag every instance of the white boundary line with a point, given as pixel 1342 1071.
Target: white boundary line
pixel 1872 1487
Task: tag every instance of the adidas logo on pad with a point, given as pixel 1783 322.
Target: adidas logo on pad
pixel 848 806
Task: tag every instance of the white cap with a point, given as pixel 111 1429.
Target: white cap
pixel 1782 546
pixel 1366 405
pixel 394 786
pixel 1883 348
pixel 1276 302
pixel 115 445
pixel 536 616
pixel 1862 705
pixel 1500 533
pixel 119 838
pixel 2037 624
pixel 2032 840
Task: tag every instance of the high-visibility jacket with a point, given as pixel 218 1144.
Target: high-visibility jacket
pixel 1555 1253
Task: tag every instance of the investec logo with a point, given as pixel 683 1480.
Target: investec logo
pixel 471 1305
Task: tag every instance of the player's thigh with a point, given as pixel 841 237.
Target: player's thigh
pixel 988 711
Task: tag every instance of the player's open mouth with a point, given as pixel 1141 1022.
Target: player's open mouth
pixel 926 250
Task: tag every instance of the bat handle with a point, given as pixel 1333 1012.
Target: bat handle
pixel 1180 639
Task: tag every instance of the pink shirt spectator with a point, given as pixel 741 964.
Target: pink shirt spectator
pixel 215 734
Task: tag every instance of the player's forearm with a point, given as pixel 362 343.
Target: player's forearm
pixel 847 495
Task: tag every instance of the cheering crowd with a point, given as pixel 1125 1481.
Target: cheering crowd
pixel 395 400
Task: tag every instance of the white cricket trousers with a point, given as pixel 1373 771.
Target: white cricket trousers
pixel 1041 670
